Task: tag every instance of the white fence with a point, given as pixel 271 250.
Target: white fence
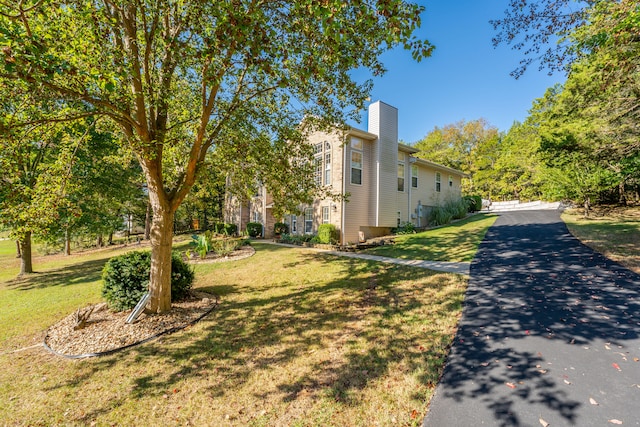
pixel 516 205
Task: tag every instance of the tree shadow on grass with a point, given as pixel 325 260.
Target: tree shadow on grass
pixel 76 274
pixel 361 313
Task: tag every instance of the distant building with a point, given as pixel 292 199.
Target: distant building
pixel 386 183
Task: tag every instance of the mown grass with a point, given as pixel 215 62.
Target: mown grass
pixel 300 338
pixel 457 241
pixel 612 231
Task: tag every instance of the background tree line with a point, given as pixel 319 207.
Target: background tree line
pixel 581 140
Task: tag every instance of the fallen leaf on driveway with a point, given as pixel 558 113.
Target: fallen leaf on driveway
pixel 592 401
pixel 614 421
pixel 616 366
pixel 511 385
pixel 543 422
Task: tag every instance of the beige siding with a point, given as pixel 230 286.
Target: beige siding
pixel 383 121
pixel 358 205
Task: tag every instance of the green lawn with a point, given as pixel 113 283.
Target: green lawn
pixel 300 338
pixel 614 232
pixel 454 242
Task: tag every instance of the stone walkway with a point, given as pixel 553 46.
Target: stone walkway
pixel 448 267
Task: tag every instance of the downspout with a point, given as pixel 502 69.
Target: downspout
pixel 378 182
pixel 344 191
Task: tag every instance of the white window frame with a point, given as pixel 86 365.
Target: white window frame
pixel 294 224
pixel 327 163
pixel 326 216
pixel 354 166
pixel 438 182
pixel 450 181
pixel 308 221
pixel 401 176
pixel 414 176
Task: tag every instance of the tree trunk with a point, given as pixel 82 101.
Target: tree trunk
pixel 67 242
pixel 587 207
pixel 18 252
pixel 147 222
pixel 99 241
pixel 160 277
pixel 110 240
pixel 26 265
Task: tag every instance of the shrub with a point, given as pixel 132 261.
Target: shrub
pixel 474 203
pixel 458 209
pixel 254 229
pixel 296 239
pixel 280 228
pixel 405 228
pixel 327 234
pixel 126 279
pixel 226 229
pixel 439 215
pixel 226 246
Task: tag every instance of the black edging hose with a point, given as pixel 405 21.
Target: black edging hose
pixel 115 350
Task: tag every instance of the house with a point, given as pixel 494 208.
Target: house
pixel 386 184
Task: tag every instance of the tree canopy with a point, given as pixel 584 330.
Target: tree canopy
pixel 182 78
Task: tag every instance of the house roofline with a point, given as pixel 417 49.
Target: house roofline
pixel 407 148
pixel 362 134
pixel 442 167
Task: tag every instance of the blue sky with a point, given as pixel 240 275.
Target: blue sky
pixel 466 78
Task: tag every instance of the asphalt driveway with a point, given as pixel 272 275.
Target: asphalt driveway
pixel 550 334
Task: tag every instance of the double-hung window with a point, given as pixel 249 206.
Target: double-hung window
pixel 356 161
pixel 308 221
pixel 414 176
pixel 400 176
pixel 325 214
pixel 438 181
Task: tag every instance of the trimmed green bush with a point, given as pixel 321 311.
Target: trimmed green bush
pixel 280 228
pixel 327 234
pixel 474 203
pixel 126 278
pixel 254 229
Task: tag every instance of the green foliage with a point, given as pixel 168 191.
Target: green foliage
pixel 280 228
pixel 327 234
pixel 254 229
pixel 405 228
pixel 474 203
pixel 296 239
pixel 226 245
pixel 458 208
pixel 225 229
pixel 201 244
pixel 441 215
pixel 209 86
pixel 126 279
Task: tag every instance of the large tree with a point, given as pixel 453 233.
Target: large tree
pixel 182 77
